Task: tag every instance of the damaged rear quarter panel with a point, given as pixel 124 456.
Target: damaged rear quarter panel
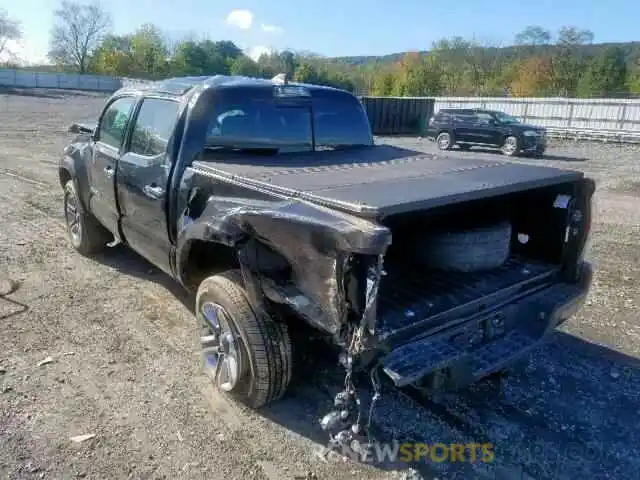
pixel 73 164
pixel 312 239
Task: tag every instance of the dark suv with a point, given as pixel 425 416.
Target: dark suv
pixel 467 127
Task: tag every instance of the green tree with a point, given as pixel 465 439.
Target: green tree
pixel 533 35
pixel 383 84
pixel 633 80
pixel 142 54
pixel 571 36
pixel 605 76
pixel 567 66
pixel 199 58
pixel 306 73
pixel 245 66
pixel 149 52
pixel 113 57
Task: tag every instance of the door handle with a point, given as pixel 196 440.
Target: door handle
pixel 108 171
pixel 153 191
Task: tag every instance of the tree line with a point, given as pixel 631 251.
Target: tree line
pixel 538 64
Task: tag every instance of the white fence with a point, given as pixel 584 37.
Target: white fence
pixel 28 79
pixel 566 113
pixel 606 119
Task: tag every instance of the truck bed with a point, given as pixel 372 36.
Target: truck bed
pixel 409 295
pixel 382 180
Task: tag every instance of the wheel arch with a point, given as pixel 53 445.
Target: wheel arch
pixel 199 258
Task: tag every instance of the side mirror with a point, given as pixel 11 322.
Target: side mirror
pixel 81 128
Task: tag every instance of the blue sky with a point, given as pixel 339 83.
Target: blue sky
pixel 342 27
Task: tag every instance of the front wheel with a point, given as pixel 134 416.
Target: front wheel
pixel 245 355
pixel 86 234
pixel 511 146
pixel 444 141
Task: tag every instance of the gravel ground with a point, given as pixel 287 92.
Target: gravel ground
pixel 108 347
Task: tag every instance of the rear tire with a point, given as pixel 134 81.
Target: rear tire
pixel 511 146
pixel 262 346
pixel 85 232
pixel 445 141
pixel 467 250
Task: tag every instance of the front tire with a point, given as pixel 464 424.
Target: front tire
pixel 444 141
pixel 85 233
pixel 245 355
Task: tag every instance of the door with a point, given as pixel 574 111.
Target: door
pixel 486 129
pixel 463 126
pixel 142 181
pixel 108 142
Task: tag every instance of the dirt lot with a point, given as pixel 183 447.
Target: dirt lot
pixel 124 362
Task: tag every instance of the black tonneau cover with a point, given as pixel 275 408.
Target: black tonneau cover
pixel 382 180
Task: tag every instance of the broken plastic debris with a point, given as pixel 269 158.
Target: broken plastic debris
pixel 45 361
pixel 523 238
pixel 66 354
pixel 82 438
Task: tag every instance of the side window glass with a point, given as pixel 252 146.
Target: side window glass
pixel 154 126
pixel 114 122
pixel 483 118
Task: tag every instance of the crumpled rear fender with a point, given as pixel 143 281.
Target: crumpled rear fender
pixel 313 242
pixel 73 165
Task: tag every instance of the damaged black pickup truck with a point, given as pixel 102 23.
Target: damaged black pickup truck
pixel 271 201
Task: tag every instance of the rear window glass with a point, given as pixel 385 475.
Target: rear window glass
pixel 242 121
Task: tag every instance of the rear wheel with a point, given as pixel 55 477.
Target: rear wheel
pixel 444 141
pixel 245 355
pixel 511 146
pixel 86 234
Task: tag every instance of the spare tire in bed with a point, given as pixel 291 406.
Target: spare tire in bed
pixel 466 250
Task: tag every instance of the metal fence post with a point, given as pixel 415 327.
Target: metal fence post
pixel 623 116
pixel 570 116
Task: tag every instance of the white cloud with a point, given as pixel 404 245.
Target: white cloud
pixel 23 53
pixel 275 29
pixel 257 51
pixel 240 18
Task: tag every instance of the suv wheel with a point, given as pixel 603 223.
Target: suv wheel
pixel 245 355
pixel 444 141
pixel 511 146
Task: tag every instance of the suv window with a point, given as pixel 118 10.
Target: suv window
pixel 113 124
pixel 153 127
pixel 463 116
pixel 485 118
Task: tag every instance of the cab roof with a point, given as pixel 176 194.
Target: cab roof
pixel 179 86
